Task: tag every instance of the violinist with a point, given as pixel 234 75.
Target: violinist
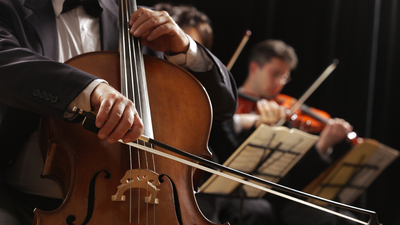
pixel 269 69
pixel 36 37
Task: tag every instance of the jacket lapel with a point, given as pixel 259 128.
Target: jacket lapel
pixel 109 25
pixel 40 14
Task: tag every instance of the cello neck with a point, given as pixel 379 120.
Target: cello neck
pixel 133 76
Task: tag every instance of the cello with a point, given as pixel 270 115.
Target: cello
pixel 104 183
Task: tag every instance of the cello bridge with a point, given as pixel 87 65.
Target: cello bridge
pixel 139 178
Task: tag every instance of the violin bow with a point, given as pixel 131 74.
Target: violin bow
pixel 310 90
pixel 89 124
pixel 239 49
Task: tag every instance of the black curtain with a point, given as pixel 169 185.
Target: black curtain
pixel 362 34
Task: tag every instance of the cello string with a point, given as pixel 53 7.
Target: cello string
pixel 142 104
pixel 154 190
pixel 125 88
pixel 135 98
pixel 140 171
pixel 135 93
pixel 147 187
pixel 130 187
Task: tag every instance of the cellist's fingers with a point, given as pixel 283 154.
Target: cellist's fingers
pixel 135 131
pixel 102 101
pixel 128 128
pixel 158 31
pixel 145 21
pixel 116 115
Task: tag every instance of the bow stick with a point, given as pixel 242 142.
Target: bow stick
pixel 239 49
pixel 310 90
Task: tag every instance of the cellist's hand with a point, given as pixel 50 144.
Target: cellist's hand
pixel 116 115
pixel 158 31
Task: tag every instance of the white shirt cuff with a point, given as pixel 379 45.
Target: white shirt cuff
pixel 195 59
pixel 83 99
pixel 237 124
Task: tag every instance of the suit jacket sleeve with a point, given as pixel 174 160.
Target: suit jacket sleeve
pixel 221 88
pixel 30 80
pixel 33 81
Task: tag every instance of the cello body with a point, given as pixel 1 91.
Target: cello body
pixel 90 171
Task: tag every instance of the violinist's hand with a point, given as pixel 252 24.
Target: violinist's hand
pixel 116 115
pixel 334 132
pixel 270 112
pixel 158 31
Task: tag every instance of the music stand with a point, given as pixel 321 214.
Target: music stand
pixel 346 179
pixel 269 153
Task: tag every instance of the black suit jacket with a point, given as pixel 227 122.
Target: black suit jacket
pixel 33 84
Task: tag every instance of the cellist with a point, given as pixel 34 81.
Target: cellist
pixel 269 68
pixel 36 37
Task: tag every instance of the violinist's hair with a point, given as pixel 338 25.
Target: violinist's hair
pixel 187 16
pixel 264 51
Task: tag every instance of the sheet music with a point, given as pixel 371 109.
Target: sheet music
pixel 269 153
pixel 353 173
pixel 382 158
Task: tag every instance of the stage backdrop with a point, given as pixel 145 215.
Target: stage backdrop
pixel 364 89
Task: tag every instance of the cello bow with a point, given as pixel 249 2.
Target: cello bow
pixel 198 163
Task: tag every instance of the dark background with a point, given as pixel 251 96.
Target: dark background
pixel 364 89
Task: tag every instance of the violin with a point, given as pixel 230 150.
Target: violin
pixel 307 119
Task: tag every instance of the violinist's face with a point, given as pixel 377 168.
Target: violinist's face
pixel 270 78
